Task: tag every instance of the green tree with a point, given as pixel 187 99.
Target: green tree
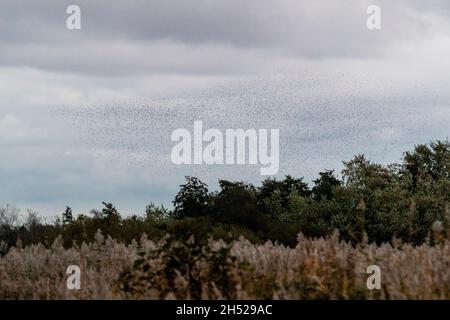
pixel 428 163
pixel 110 213
pixel 192 199
pixel 324 185
pixel 67 216
pixel 156 213
pixel 362 175
pixel 273 195
pixel 235 204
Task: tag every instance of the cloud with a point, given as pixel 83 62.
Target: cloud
pixel 14 132
pixel 191 36
pixel 86 116
pixel 11 128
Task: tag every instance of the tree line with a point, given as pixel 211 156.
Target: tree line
pixel 367 201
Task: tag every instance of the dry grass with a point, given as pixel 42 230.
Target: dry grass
pixel 314 269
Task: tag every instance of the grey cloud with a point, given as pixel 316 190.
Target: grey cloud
pixel 125 59
pixel 191 36
pixel 86 116
pixel 121 153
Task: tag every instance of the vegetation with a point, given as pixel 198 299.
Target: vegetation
pixel 382 201
pixel 170 269
pixel 282 239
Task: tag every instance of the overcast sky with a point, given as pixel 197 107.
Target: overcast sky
pixel 86 115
